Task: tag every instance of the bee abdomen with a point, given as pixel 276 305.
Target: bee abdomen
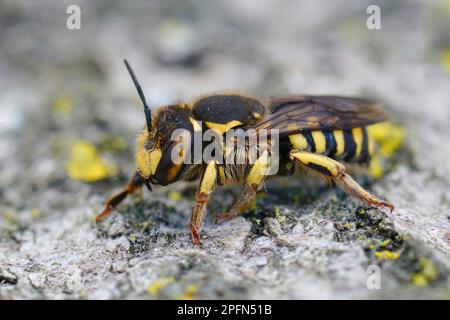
pixel 350 145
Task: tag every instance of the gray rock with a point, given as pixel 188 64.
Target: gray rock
pixel 303 240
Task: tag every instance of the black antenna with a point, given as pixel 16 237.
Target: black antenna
pixel 148 114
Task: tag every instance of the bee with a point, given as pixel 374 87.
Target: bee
pixel 314 133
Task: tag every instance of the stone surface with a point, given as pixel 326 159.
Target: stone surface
pixel 303 240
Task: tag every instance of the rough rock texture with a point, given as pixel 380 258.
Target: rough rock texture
pixel 303 240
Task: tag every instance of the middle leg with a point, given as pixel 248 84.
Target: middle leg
pixel 253 182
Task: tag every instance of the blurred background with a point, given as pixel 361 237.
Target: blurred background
pixel 69 115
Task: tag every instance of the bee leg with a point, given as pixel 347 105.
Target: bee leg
pixel 252 184
pixel 336 172
pixel 134 185
pixel 206 187
pixel 243 202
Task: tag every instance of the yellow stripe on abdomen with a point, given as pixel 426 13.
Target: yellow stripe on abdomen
pixel 298 141
pixel 340 142
pixel 358 138
pixel 319 141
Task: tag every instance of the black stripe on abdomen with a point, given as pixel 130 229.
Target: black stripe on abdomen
pixel 330 142
pixel 310 140
pixel 350 145
pixel 365 154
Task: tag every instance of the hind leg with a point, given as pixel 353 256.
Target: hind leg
pixel 335 171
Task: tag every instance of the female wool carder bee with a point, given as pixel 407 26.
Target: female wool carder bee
pixel 314 133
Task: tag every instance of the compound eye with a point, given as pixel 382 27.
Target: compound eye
pixel 149 145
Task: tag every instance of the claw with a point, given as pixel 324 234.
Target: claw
pixel 381 203
pixel 388 205
pixel 103 215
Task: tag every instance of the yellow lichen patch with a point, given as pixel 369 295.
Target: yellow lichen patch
pixel 86 165
pixel 8 216
pixel 376 170
pixel 159 284
pixel 385 243
pixel 189 292
pixel 175 195
pixel 36 213
pixel 62 104
pixel 388 136
pixel 427 273
pixel 280 218
pixel 445 59
pixel 419 280
pixel 348 226
pixel 387 255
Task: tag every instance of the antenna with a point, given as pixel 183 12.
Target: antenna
pixel 148 114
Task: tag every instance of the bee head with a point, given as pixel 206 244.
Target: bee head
pixel 155 149
pixel 155 145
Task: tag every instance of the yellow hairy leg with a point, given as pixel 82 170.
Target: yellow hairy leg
pixel 336 172
pixel 253 182
pixel 206 187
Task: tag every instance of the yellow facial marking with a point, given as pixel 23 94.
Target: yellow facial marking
pixel 257 115
pixel 155 156
pixel 195 124
pixel 299 141
pixel 142 163
pixel 146 161
pixel 319 141
pixel 340 142
pixel 358 138
pixel 222 128
pixel 142 159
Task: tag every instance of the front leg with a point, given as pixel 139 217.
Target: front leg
pixel 134 185
pixel 252 184
pixel 206 187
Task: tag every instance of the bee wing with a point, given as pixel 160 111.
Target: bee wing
pixel 294 114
